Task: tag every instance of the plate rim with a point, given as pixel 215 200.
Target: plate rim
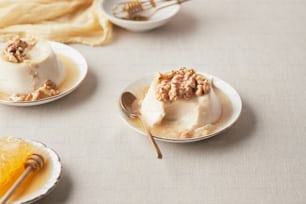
pixel 53 183
pixel 233 118
pixel 81 64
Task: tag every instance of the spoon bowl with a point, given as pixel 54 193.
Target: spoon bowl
pixel 126 103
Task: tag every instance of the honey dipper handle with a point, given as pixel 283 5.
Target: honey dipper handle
pixel 16 185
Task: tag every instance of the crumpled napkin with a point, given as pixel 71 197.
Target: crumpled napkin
pixel 66 21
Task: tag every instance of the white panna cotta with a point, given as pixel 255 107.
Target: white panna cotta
pixel 183 101
pixel 25 65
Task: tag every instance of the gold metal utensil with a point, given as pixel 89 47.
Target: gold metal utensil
pixel 132 9
pixel 126 101
pixel 34 162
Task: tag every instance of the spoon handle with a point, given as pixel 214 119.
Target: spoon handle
pixel 152 140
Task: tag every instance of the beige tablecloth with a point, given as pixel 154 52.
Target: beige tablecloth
pixel 257 46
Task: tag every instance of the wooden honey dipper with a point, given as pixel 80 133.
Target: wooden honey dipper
pixel 33 163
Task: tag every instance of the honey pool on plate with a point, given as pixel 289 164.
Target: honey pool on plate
pixel 165 131
pixel 72 74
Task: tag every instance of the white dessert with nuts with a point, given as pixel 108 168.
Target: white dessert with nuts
pixel 183 101
pixel 29 70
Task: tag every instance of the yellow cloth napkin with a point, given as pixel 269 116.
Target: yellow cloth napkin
pixel 67 21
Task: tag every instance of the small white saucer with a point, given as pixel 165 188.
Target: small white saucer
pixel 160 18
pixel 54 171
pixel 226 88
pixel 79 63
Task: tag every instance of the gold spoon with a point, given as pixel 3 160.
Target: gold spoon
pixel 126 101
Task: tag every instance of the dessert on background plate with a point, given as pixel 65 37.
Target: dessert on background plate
pixel 30 70
pixel 14 152
pixel 183 105
pixel 36 71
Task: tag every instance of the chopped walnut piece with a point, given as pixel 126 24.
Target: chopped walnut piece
pixel 15 50
pixel 186 134
pixel 49 84
pixel 181 84
pixel 47 90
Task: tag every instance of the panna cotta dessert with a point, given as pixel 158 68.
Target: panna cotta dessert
pixel 181 102
pixel 29 70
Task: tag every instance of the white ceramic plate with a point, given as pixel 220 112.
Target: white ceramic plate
pixel 162 17
pixel 226 88
pixel 76 58
pixel 55 167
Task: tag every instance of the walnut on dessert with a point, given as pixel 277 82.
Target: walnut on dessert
pixel 49 89
pixel 16 50
pixel 181 84
pixel 186 134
